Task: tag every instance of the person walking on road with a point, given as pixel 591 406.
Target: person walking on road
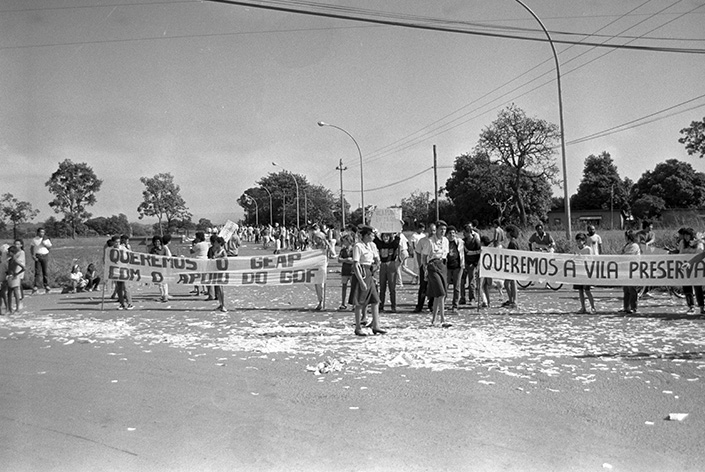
pixel 364 288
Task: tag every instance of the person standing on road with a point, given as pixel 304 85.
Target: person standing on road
pixel 422 241
pixel 434 256
pixel 472 244
pixel 22 259
pixel 364 288
pixel 160 249
pixel 387 247
pixel 689 244
pixel 39 250
pixel 219 253
pixel 455 264
pixel 594 240
pixel 510 285
pixel 631 248
pixel 584 291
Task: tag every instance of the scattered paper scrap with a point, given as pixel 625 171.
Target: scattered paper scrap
pixel 677 416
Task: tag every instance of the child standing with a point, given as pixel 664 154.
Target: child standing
pixel 345 258
pixel 584 290
pixel 14 279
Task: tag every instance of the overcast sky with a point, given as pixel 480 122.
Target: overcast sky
pixel 214 93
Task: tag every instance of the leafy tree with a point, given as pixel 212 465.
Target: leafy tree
pixel 75 186
pixel 109 226
pixel 418 207
pixel 694 138
pixel 316 203
pixel 481 189
pixel 204 224
pixel 648 207
pixel 601 185
pixel 675 182
pixel 526 146
pixel 162 200
pixel 16 212
pixel 57 229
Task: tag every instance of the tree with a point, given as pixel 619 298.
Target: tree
pixel 526 146
pixel 110 226
pixel 316 203
pixel 162 200
pixel 204 224
pixel 675 182
pixel 16 212
pixel 75 186
pixel 418 207
pixel 648 207
pixel 694 138
pixel 481 189
pixel 601 186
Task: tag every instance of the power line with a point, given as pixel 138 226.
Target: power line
pixel 354 14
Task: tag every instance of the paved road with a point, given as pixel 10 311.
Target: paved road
pixel 274 385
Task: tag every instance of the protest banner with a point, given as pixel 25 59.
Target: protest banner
pixel 386 220
pixel 295 268
pixel 606 270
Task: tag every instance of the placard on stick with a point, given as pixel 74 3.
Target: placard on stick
pixel 387 220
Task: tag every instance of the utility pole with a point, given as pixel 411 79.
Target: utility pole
pixel 342 199
pixel 435 181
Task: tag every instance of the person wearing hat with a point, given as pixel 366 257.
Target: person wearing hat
pixel 433 258
pixel 363 287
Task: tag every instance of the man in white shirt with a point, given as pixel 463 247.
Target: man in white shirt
pixel 594 240
pixel 40 253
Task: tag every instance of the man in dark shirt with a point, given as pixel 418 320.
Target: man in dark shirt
pixel 387 247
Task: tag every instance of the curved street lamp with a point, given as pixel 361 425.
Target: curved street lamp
pixel 250 198
pixel 297 191
pixel 560 117
pixel 271 220
pixel 362 185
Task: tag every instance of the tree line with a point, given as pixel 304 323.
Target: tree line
pixel 507 176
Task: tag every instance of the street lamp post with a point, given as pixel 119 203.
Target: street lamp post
pixel 560 117
pixel 271 219
pixel 297 192
pixel 362 184
pixel 250 198
pixel 342 198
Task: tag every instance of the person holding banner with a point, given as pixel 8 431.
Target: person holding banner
pixel 689 244
pixel 434 258
pixel 364 288
pixel 219 253
pixel 160 249
pixel 541 241
pixel 584 249
pixel 631 247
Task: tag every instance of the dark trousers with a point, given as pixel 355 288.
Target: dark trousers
pixel 41 269
pixel 630 297
pixel 467 283
pixel 423 283
pixel 688 291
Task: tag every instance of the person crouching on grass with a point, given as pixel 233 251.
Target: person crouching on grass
pixel 584 290
pixel 364 288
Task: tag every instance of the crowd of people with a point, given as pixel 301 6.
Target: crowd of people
pixel 372 265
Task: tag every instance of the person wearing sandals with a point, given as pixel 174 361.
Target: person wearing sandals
pixel 364 288
pixel 584 290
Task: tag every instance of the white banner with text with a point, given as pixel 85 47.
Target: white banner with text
pixel 608 270
pixel 294 268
